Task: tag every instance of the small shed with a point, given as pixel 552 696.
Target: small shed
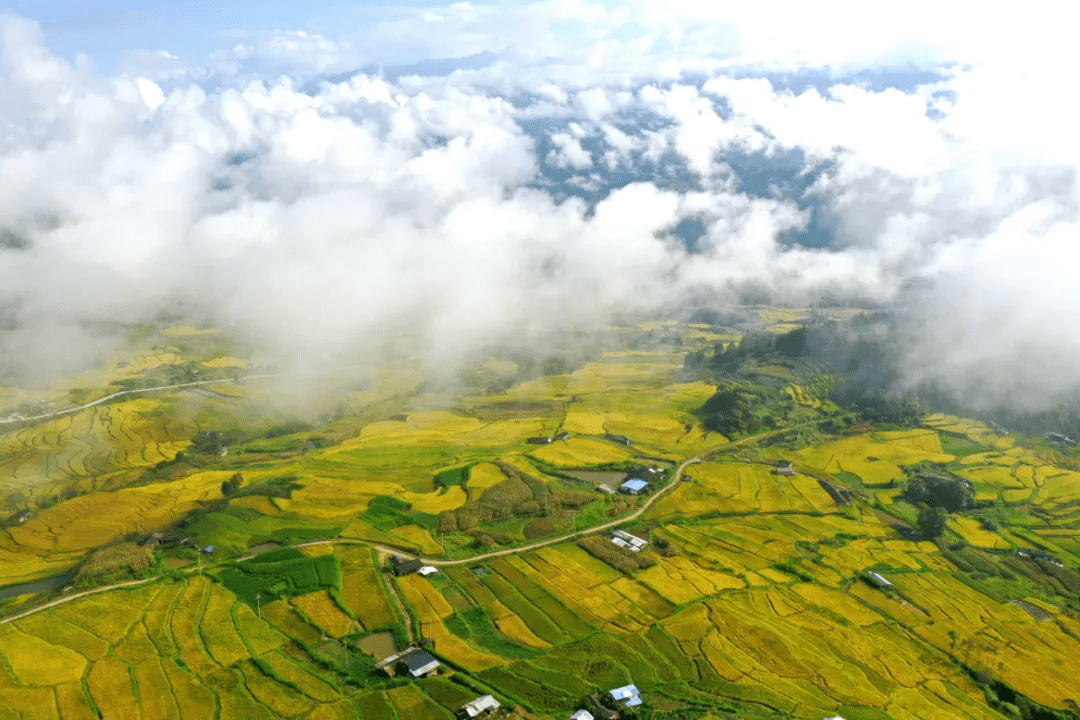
pixel 428 570
pixel 20 517
pixel 878 580
pixel 563 436
pixel 419 664
pixel 582 715
pixel 479 706
pixel 621 439
pixel 633 486
pixel 605 488
pixel 784 467
pixel 628 695
pixel 538 440
pixel 633 541
pixel 406 567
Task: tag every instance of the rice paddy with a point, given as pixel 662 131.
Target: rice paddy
pixel 754 593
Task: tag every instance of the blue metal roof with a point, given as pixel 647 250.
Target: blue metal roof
pixel 635 484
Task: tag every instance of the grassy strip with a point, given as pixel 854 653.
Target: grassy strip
pixel 269 671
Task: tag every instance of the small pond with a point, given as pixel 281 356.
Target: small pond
pixel 609 477
pixel 35 587
pixel 380 644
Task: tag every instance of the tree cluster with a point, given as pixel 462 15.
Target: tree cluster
pixel 948 493
pixel 230 486
pixel 932 521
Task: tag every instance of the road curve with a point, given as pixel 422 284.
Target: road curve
pixel 562 538
pixel 107 398
pixel 76 596
pixel 434 561
pixel 135 391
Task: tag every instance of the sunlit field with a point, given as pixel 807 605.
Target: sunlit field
pixel 752 592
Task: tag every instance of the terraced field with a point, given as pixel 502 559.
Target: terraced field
pixel 750 600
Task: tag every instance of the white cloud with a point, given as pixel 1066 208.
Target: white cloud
pixel 569 152
pixel 339 211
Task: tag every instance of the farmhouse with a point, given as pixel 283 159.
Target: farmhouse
pixel 628 695
pixel 618 438
pixel 152 540
pixel 405 567
pixel 605 488
pixel 633 486
pixel 626 540
pixel 479 706
pixel 419 664
pixel 784 467
pixel 20 517
pixel 563 436
pixel 538 440
pixel 877 580
pixel 582 715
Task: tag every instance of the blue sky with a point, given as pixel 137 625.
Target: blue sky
pixel 190 29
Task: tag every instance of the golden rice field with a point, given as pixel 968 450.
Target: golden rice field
pixel 740 488
pixel 582 452
pixel 321 610
pixel 876 460
pixel 419 537
pixel 436 502
pixel 484 475
pixel 799 395
pixel 93 654
pixel 758 598
pixel 122 435
pixel 584 422
pixel 362 588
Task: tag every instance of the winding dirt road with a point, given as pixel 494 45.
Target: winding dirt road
pixel 122 393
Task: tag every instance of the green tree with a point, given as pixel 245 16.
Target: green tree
pixel 932 521
pixel 230 486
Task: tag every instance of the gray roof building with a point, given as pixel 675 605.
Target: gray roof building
pixel 419 664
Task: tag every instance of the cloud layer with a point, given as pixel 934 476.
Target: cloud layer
pixel 542 185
